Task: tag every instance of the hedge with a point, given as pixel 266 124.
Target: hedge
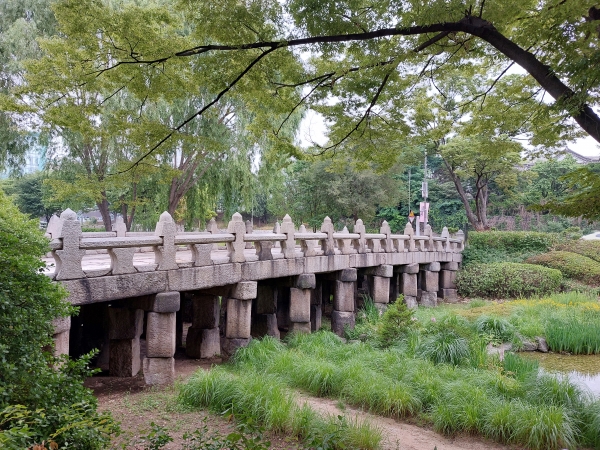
pixel 591 249
pixel 507 280
pixel 572 265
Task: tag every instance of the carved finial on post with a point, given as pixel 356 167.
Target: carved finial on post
pixel 53 228
pixel 361 243
pixel 429 232
pixel 236 248
pixel 277 230
pixel 249 230
pixel 288 247
pixel 164 255
pixel 68 260
pixel 388 245
pixel 446 235
pixel 409 231
pixel 328 243
pixel 460 235
pixel 119 227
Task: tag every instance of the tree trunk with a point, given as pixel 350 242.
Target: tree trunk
pixel 104 212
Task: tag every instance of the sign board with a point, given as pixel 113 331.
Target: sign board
pixel 424 212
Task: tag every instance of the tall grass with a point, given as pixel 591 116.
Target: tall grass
pixel 267 401
pixel 509 402
pixel 576 333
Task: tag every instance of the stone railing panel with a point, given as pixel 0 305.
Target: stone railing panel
pixel 68 259
pixel 236 247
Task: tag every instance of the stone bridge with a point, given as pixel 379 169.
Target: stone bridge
pixel 138 292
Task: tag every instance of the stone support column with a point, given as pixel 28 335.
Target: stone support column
pixel 264 312
pixel 343 301
pixel 62 331
pixel 161 331
pixel 447 290
pixel 239 316
pixel 125 327
pixel 408 284
pixel 316 305
pixel 379 284
pixel 430 275
pixel 203 339
pixel 300 302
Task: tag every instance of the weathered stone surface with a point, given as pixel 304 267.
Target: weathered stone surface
pixel 542 345
pixel 245 290
pixel 124 357
pixel 447 279
pixel 195 278
pixel 165 254
pixel 432 267
pixel 411 301
pixel 448 295
pixel 299 305
pixel 341 319
pixel 206 311
pixel 159 371
pixel 343 296
pixel 300 327
pixel 238 318
pixel 121 260
pixel 306 281
pixel 430 281
pixel 529 346
pixel 384 270
pixel 165 302
pixel 265 325
pixel 68 260
pixel 348 275
pixel 288 247
pixel 408 284
pixel 428 298
pixel 266 299
pixel 412 268
pixel 203 343
pixel 381 307
pixel 380 289
pixel 316 314
pixel 125 323
pixel 160 335
pixel 236 248
pixel 61 343
pixel 454 266
pixel 61 324
pixel 230 345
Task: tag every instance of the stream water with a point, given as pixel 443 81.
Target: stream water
pixel 581 370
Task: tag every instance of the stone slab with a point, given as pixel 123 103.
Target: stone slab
pixel 411 301
pixel 339 320
pixel 61 343
pixel 124 357
pixel 428 299
pixel 447 279
pixel 206 311
pixel 299 305
pixel 61 324
pixel 383 270
pixel 159 371
pixel 412 268
pixel 448 295
pixel 229 345
pixel 160 335
pixel 266 299
pixel 380 289
pixel 238 318
pixel 316 315
pixel 306 281
pixel 165 302
pixel 195 278
pixel 300 327
pixel 244 290
pixel 450 266
pixel 343 296
pixel 125 323
pixel 432 267
pixel 348 275
pixel 430 281
pixel 408 284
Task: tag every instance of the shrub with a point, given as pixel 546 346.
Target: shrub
pixel 495 329
pixel 446 346
pixel 591 249
pixel 507 280
pixel 394 323
pixel 572 265
pixel 42 398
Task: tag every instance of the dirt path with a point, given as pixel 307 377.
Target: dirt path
pixel 403 436
pixel 136 406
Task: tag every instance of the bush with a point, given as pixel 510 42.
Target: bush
pixel 591 249
pixel 394 323
pixel 42 398
pixel 507 280
pixel 572 265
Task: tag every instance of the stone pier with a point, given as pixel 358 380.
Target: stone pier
pixel 300 302
pixel 239 316
pixel 203 338
pixel 343 301
pixel 447 282
pixel 126 327
pixel 408 284
pixel 430 275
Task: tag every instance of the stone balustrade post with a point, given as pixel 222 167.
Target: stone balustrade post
pixel 410 232
pixel 379 285
pixel 239 316
pixel 447 282
pixel 68 259
pixel 446 236
pixel 125 328
pixel 408 284
pixel 277 230
pixel 328 244
pixel 264 313
pixel 307 246
pixel 54 226
pixel 460 235
pixel 316 305
pixel 430 275
pixel 360 245
pixel 164 255
pixel 288 247
pixel 344 245
pixel 249 230
pixel 119 227
pixel 212 228
pixel 343 314
pixel 429 244
pixel 203 339
pixel 388 244
pixel 236 248
pixel 300 300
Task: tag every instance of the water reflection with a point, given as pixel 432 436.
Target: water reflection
pixel 582 370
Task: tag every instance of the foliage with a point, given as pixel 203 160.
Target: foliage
pixel 395 322
pixel 246 437
pixel 507 280
pixel 589 248
pixel 41 397
pixel 575 333
pixel 572 265
pixel 32 196
pixel 495 329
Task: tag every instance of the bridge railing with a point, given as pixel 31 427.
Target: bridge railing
pixel 69 244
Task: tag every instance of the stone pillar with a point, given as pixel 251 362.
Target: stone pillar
pixel 316 305
pixel 239 316
pixel 62 331
pixel 125 327
pixel 159 364
pixel 343 301
pixel 300 302
pixel 447 282
pixel 203 338
pixel 379 283
pixel 408 284
pixel 430 275
pixel 264 312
